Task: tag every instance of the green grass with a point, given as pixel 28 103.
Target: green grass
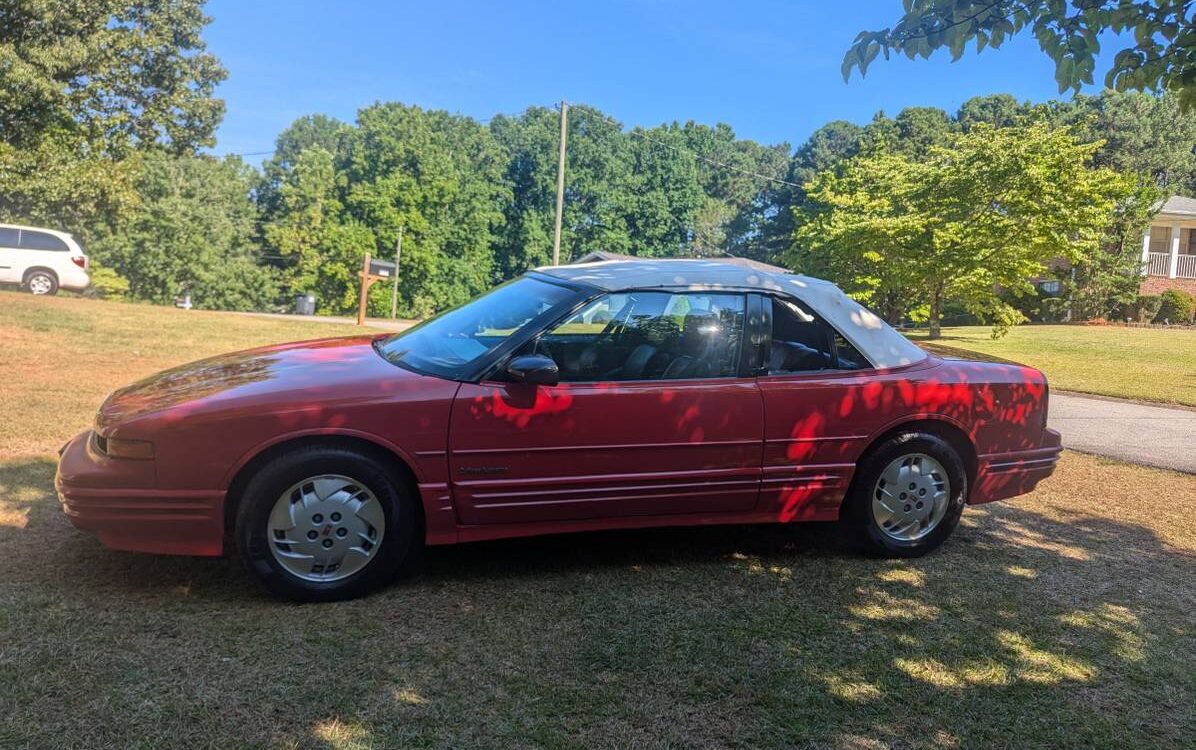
pixel 1061 620
pixel 1148 364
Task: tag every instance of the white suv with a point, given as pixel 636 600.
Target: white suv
pixel 41 260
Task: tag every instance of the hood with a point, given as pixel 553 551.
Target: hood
pixel 325 367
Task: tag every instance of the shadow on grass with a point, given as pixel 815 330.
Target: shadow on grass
pixel 1049 627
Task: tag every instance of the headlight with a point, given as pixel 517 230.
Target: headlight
pixel 141 450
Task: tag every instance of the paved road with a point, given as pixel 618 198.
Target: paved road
pixel 1151 435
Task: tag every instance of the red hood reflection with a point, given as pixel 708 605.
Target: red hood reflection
pixel 306 366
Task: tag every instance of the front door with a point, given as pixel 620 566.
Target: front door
pixel 652 417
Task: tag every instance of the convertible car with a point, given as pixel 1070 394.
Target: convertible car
pixel 609 395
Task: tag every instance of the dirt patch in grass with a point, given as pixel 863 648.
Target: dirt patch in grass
pixel 1061 620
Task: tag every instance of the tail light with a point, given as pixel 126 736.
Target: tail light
pixel 80 261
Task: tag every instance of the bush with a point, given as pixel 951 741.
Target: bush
pixel 107 284
pixel 1177 307
pixel 1141 310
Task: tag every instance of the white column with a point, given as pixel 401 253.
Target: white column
pixel 1174 265
pixel 1146 253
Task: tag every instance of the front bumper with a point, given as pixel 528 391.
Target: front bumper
pixel 1005 475
pixel 119 502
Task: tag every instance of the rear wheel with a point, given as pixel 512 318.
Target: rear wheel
pixel 41 282
pixel 324 523
pixel 907 497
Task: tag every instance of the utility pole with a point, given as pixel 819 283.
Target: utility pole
pixel 560 187
pixel 394 292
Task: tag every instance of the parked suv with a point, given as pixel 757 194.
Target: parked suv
pixel 41 260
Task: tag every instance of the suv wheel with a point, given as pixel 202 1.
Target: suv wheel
pixel 41 282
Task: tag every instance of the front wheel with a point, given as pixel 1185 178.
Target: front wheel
pixel 325 523
pixel 907 496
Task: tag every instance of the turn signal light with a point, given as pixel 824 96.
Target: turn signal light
pixel 142 450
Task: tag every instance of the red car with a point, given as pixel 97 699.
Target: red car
pixel 609 395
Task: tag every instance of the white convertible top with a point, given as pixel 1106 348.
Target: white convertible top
pixel 876 340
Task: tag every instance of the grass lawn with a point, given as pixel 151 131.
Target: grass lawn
pixel 1149 364
pixel 1060 620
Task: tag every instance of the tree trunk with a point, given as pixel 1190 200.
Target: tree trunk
pixel 936 312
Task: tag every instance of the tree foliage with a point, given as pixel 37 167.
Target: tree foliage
pixel 986 211
pixel 191 233
pixel 1162 56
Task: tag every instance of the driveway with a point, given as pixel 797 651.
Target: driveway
pixel 1150 435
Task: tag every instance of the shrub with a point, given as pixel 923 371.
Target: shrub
pixel 1177 307
pixel 1141 310
pixel 107 284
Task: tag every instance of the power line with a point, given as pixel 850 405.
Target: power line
pixel 640 134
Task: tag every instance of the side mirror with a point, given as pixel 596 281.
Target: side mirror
pixel 534 369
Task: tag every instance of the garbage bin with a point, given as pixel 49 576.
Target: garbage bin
pixel 305 304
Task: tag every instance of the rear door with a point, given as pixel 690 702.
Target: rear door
pixel 9 253
pixel 654 415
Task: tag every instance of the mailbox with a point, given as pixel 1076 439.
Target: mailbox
pixel 383 268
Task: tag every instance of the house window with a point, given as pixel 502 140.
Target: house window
pixel 1160 239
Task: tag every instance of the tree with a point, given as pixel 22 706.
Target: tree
pixel 190 234
pixel 84 87
pixel 986 212
pixel 440 177
pixel 1162 57
pixel 125 73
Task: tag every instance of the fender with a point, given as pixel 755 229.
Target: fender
pixel 383 443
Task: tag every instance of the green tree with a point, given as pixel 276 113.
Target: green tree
pixel 986 212
pixel 998 110
pixel 86 86
pixel 440 177
pixel 125 73
pixel 1161 58
pixel 190 234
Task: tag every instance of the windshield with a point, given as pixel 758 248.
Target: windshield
pixel 446 344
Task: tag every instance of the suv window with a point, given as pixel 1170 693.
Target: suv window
pixel 8 237
pixel 41 241
pixel 647 336
pixel 802 342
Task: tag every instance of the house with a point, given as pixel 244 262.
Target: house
pixel 1168 250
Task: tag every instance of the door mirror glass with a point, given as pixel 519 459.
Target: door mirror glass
pixel 533 369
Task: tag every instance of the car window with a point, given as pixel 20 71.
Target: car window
pixel 41 241
pixel 448 343
pixel 802 342
pixel 647 336
pixel 9 237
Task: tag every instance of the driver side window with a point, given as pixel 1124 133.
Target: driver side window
pixel 647 336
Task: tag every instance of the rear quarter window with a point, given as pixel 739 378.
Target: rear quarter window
pixel 42 241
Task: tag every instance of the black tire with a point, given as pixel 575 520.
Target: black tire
pixel 397 550
pixel 43 276
pixel 858 517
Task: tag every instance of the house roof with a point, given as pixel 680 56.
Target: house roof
pixel 875 339
pixel 1179 204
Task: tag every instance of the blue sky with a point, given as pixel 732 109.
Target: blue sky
pixel 769 69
